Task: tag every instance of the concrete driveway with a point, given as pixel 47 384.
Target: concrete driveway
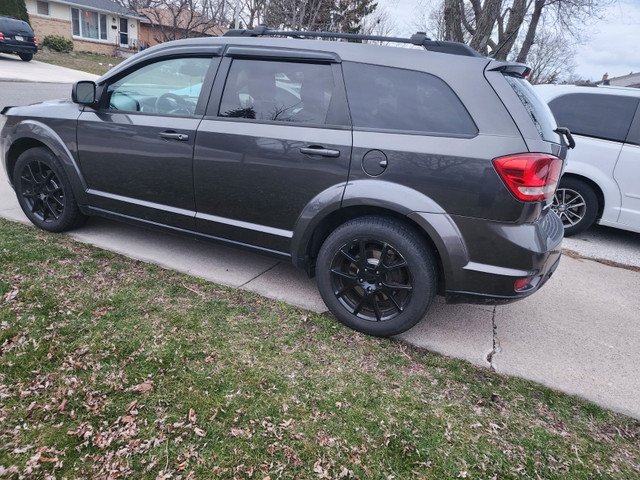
pixel 580 334
pixel 15 70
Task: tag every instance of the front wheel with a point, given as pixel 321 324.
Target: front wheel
pixel 44 191
pixel 376 275
pixel 26 57
pixel 576 204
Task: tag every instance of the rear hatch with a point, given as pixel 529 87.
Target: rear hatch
pixel 15 32
pixel 530 176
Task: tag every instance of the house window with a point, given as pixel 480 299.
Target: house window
pixel 88 24
pixel 42 8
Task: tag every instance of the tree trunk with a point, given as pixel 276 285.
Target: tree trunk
pixel 531 32
pixel 516 17
pixel 453 21
pixel 484 25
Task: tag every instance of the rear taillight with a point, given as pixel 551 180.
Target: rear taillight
pixel 35 41
pixel 529 176
pixel 1 36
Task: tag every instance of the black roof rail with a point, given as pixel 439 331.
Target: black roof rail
pixel 419 39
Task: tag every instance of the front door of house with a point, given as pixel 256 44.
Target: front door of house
pixel 124 33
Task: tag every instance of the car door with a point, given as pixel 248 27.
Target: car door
pixel 627 174
pixel 276 136
pixel 136 150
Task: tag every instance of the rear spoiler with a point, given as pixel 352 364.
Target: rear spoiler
pixel 514 69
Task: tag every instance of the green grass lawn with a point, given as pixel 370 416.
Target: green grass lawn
pixel 114 368
pixel 87 62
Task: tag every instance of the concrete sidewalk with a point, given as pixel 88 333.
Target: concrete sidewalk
pixel 15 70
pixel 580 334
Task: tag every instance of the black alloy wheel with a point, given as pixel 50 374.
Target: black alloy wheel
pixel 44 192
pixel 371 280
pixel 376 275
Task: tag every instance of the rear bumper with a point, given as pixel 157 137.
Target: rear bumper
pixel 481 260
pixel 6 47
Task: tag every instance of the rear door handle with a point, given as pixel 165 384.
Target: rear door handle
pixel 183 137
pixel 321 151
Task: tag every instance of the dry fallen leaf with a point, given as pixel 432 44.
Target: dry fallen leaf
pixel 199 432
pixel 143 387
pixel 192 415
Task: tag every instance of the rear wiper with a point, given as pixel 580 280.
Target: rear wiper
pixel 565 131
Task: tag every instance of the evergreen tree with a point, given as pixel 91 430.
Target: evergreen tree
pixel 14 8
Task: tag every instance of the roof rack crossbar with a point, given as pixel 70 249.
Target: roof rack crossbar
pixel 419 39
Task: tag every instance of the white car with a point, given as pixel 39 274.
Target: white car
pixel 601 180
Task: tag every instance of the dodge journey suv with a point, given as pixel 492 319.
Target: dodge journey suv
pixel 391 174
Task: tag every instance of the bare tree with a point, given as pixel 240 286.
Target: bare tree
pixel 174 19
pixel 551 58
pixel 487 25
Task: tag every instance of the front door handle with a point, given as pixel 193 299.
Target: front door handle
pixel 175 136
pixel 321 151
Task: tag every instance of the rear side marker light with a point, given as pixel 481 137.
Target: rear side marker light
pixel 529 176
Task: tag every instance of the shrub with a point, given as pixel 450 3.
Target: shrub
pixel 58 43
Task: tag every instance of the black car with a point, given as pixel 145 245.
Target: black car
pixel 16 36
pixel 391 174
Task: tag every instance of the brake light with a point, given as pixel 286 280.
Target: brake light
pixel 35 41
pixel 1 36
pixel 529 176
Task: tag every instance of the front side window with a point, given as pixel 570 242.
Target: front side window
pixel 166 87
pixel 396 99
pixel 595 115
pixel 88 24
pixel 277 91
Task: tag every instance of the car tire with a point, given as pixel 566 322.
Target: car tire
pixel 44 191
pixel 376 275
pixel 577 205
pixel 26 57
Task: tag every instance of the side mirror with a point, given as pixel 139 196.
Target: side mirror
pixel 84 92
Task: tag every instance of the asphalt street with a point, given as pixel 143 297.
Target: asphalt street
pixel 579 334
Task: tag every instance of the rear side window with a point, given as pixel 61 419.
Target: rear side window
pixel 537 109
pixel 595 115
pixel 278 91
pixel 395 99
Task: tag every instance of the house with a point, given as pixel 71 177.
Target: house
pixel 631 80
pixel 173 23
pixel 98 26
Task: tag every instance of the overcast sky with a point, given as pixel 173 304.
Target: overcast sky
pixel 613 44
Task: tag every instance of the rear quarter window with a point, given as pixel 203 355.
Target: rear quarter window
pixel 386 98
pixel 595 115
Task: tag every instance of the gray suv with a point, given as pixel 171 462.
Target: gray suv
pixel 391 174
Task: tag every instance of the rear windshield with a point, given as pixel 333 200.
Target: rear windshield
pixel 10 25
pixel 537 109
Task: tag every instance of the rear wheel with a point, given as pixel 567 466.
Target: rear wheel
pixel 576 204
pixel 26 56
pixel 376 275
pixel 44 191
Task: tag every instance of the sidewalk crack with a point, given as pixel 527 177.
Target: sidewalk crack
pixel 496 344
pixel 260 274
